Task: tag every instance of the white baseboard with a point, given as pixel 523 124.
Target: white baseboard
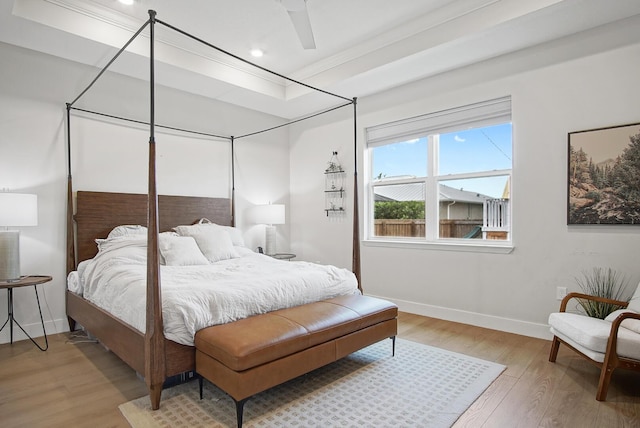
pixel 34 330
pixel 508 325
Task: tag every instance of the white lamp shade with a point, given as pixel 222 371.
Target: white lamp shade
pixel 18 209
pixel 269 214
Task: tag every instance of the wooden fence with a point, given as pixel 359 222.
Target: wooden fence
pixel 461 229
pixel 396 227
pixel 411 228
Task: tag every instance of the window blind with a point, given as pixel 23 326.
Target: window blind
pixel 485 113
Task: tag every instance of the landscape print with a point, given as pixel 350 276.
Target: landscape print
pixel 604 176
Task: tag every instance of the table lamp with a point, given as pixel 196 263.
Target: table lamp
pixel 16 209
pixel 269 215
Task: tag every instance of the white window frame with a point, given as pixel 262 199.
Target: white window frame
pixel 481 114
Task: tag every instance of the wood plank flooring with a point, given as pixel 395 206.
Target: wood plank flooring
pixel 80 384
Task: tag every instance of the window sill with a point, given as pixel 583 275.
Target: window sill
pixel 497 247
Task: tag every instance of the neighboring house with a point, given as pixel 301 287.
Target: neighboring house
pixel 463 214
pixel 455 204
pixel 460 204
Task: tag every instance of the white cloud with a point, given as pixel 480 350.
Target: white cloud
pixel 459 139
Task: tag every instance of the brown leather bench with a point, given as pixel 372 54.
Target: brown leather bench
pixel 254 354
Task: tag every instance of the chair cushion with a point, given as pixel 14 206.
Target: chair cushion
pixel 593 334
pixel 595 356
pixel 631 324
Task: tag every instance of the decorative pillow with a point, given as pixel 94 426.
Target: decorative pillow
pixel 127 230
pixel 181 251
pixel 214 242
pixel 634 302
pixel 189 230
pixel 165 234
pixel 234 233
pixel 630 324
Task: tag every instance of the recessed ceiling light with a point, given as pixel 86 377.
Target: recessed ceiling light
pixel 256 53
pixel 127 2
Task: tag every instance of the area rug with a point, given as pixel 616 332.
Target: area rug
pixel 421 386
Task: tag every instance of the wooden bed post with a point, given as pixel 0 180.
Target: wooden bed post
pixel 356 214
pixel 71 252
pixel 154 335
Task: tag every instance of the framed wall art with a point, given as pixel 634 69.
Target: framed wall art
pixel 604 176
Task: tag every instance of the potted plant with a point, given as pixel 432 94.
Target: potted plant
pixel 601 282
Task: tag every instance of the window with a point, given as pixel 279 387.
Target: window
pixel 442 177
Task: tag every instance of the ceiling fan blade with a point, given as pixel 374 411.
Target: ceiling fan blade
pixel 302 24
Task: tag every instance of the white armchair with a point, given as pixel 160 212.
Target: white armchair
pixel 610 343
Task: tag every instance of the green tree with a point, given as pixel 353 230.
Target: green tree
pixel 627 171
pixel 578 166
pixel 410 210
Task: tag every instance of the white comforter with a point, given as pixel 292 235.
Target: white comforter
pixel 195 297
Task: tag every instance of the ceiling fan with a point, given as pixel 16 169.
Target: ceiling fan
pixel 299 15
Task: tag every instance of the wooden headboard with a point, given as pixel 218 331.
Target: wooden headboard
pixel 97 213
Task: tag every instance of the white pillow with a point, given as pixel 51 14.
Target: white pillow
pixel 214 242
pixel 181 251
pixel 630 323
pixel 234 233
pixel 127 230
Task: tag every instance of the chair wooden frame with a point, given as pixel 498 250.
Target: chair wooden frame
pixel 612 360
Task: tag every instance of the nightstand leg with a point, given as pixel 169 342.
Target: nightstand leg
pixel 11 319
pixel 46 341
pixel 9 313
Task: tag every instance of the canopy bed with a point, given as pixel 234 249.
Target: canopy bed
pixel 98 214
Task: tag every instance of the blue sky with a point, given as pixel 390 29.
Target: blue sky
pixel 473 150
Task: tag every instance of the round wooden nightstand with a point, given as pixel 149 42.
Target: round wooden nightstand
pixel 25 281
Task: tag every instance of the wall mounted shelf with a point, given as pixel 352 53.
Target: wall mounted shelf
pixel 334 183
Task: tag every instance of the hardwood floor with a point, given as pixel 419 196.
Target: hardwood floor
pixel 531 392
pixel 80 384
pixel 73 384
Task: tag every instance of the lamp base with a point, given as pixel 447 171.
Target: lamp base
pixel 9 255
pixel 270 240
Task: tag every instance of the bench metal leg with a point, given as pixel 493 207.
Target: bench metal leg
pixel 239 404
pixel 240 410
pixel 393 346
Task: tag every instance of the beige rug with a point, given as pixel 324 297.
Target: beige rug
pixel 421 386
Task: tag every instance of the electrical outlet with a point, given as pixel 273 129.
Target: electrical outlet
pixel 561 292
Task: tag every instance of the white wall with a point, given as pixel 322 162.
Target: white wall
pixel 570 85
pixel 33 91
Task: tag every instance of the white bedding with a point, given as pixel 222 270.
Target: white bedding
pixel 195 297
